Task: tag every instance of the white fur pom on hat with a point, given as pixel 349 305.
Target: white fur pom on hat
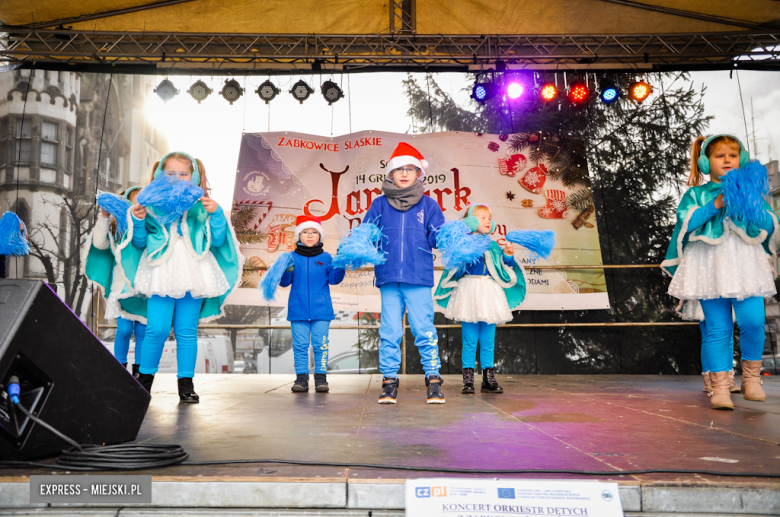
pixel 304 222
pixel 405 154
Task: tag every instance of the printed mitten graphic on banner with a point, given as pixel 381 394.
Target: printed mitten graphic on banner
pixel 556 205
pixel 512 165
pixel 533 180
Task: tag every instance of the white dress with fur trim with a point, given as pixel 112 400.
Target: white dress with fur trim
pixel 478 299
pixel 180 272
pixel 732 268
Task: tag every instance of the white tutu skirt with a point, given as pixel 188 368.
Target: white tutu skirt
pixel 117 284
pixel 180 274
pixel 732 269
pixel 478 298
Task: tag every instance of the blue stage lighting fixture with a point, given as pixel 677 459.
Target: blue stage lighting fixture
pixel 482 92
pixel 609 94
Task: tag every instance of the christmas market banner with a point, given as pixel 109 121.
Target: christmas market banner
pixel 530 181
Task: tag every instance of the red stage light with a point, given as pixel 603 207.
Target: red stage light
pixel 578 93
pixel 549 92
pixel 640 90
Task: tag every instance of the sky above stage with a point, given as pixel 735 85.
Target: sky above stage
pixel 212 130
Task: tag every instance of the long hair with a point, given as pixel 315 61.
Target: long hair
pixel 696 177
pixel 204 183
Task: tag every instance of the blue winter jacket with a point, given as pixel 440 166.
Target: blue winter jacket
pixel 310 293
pixel 410 237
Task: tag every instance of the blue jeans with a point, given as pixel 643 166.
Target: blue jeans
pixel 316 333
pixel 124 331
pixel 471 333
pixel 720 325
pixel 181 313
pixel 419 301
pixel 705 362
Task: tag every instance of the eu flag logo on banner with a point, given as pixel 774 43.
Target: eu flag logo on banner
pixel 506 493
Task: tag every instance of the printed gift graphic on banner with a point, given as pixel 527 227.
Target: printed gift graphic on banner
pixel 283 175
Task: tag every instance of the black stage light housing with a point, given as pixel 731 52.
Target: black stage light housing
pixel 232 91
pixel 267 91
pixel 199 91
pixel 166 90
pixel 301 91
pixel 331 92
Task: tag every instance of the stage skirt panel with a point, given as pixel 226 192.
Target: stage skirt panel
pixel 732 269
pixel 478 298
pixel 180 274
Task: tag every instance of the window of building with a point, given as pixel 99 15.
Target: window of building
pixel 22 147
pixel 25 152
pixel 48 153
pixel 68 149
pixel 49 131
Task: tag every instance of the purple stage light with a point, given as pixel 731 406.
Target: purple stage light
pixel 515 90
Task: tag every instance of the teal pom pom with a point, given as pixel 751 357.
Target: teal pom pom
pixel 361 246
pixel 539 243
pixel 744 191
pixel 459 246
pixel 169 198
pixel 13 240
pixel 115 206
pixel 273 276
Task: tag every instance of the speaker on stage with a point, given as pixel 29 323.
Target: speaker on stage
pixel 67 377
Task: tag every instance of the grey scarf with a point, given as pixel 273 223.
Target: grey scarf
pixel 402 199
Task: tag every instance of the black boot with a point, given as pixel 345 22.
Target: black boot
pixel 301 384
pixel 124 365
pixel 321 383
pixel 135 370
pixel 468 381
pixel 187 393
pixel 489 383
pixel 145 380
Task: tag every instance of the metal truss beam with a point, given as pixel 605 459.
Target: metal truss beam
pixel 288 53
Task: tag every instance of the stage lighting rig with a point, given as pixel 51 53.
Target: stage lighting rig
pixel 640 90
pixel 301 91
pixel 482 91
pixel 331 92
pixel 548 92
pixel 578 93
pixel 609 94
pixel 267 91
pixel 199 91
pixel 166 90
pixel 232 91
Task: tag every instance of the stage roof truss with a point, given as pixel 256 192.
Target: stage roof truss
pixel 286 53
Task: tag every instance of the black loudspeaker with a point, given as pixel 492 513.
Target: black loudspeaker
pixel 67 377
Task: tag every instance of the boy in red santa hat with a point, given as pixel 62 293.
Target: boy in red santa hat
pixel 310 309
pixel 409 220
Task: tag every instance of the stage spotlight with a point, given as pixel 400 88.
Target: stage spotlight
pixel 482 92
pixel 609 94
pixel 331 92
pixel 578 93
pixel 549 92
pixel 199 91
pixel 515 90
pixel 640 90
pixel 268 91
pixel 301 91
pixel 232 91
pixel 166 90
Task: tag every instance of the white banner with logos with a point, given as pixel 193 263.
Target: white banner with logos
pixel 463 497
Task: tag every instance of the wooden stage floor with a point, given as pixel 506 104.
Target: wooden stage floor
pixel 604 423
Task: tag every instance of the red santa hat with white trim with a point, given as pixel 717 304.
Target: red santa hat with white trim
pixel 304 222
pixel 405 154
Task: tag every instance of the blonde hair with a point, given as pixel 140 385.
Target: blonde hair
pixel 696 177
pixel 204 183
pixel 481 208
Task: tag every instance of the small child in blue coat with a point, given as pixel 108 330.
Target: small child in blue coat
pixel 310 309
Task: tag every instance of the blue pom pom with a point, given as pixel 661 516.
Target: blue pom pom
pixel 273 276
pixel 539 243
pixel 115 206
pixel 13 240
pixel 459 246
pixel 361 246
pixel 169 197
pixel 744 191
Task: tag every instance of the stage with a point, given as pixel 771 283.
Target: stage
pixel 594 423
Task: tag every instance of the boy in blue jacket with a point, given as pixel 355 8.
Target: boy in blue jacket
pixel 409 220
pixel 309 309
